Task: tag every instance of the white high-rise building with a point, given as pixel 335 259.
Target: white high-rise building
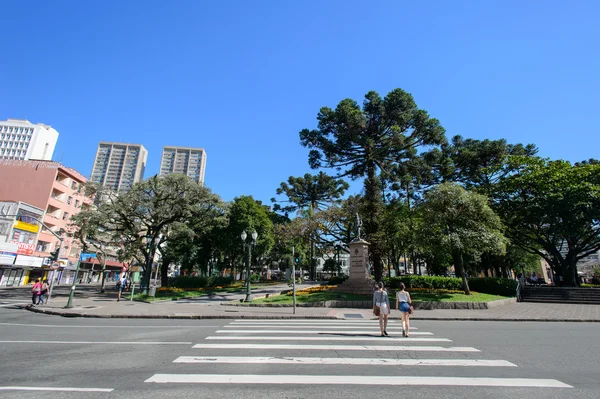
pixel 23 140
pixel 183 160
pixel 119 166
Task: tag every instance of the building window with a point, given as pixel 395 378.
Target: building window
pixel 65 216
pixel 73 185
pixel 76 203
pixel 69 200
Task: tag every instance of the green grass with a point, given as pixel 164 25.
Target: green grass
pixel 171 295
pixel 418 296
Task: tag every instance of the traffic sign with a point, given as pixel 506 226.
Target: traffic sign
pixel 55 266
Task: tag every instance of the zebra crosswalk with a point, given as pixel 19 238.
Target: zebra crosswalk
pixel 331 352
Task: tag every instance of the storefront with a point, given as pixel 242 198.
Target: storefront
pixel 10 276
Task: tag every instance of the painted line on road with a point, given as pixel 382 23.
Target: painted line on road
pixel 334 327
pixel 337 337
pixel 372 331
pixel 93 326
pixel 58 389
pixel 6 305
pixel 343 361
pixel 101 342
pixel 354 380
pixel 338 347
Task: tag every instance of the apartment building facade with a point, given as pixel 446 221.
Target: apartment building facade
pixel 23 140
pixel 58 191
pixel 184 160
pixel 119 166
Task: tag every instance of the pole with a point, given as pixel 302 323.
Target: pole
pixel 54 271
pixel 148 273
pixel 72 293
pixel 248 291
pixel 294 279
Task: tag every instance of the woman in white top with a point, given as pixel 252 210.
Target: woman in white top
pixel 380 299
pixel 403 302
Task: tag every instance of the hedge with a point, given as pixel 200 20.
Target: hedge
pixel 493 286
pixel 199 281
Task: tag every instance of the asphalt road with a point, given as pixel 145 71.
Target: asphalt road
pixel 129 358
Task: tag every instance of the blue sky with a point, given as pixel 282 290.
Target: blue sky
pixel 242 78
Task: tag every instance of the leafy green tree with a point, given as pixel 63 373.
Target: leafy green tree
pixel 552 209
pixel 332 266
pixel 311 193
pixel 361 143
pixel 481 164
pixel 248 214
pixel 148 209
pixel 462 223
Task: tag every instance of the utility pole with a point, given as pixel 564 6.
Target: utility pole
pixel 72 293
pixel 294 279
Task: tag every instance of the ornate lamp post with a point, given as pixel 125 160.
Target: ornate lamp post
pixel 248 244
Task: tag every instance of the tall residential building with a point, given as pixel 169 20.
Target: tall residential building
pixel 22 140
pixel 118 166
pixel 183 160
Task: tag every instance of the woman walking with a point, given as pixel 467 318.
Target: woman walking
pixel 44 291
pixel 403 304
pixel 35 292
pixel 381 307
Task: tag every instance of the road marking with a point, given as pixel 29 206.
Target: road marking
pixel 373 331
pixel 338 347
pixel 101 342
pixel 344 361
pixel 93 326
pixel 328 338
pixel 59 389
pixel 354 380
pixel 332 327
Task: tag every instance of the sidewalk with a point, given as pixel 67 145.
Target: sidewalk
pixel 106 306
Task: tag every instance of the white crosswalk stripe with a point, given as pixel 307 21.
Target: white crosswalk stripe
pixel 277 342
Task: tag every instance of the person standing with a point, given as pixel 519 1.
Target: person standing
pixel 43 292
pixel 35 292
pixel 381 301
pixel 121 286
pixel 403 304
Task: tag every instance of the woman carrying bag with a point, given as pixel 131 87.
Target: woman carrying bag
pixel 403 304
pixel 381 307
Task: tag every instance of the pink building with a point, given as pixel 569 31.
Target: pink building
pixel 54 188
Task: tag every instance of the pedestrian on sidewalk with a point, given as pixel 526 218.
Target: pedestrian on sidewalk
pixel 121 284
pixel 404 305
pixel 381 307
pixel 43 292
pixel 35 292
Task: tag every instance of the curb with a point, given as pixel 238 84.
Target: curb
pixel 281 317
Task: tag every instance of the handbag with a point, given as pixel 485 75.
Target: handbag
pixel 411 310
pixel 377 309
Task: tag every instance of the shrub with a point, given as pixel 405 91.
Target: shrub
pixel 335 280
pixel 214 281
pixel 188 281
pixel 494 286
pixel 431 282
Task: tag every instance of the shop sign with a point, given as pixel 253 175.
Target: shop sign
pixel 32 261
pixel 32 228
pixel 24 248
pixel 8 253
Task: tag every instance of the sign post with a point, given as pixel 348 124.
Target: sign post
pixel 54 267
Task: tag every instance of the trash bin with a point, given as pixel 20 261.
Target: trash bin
pixel 152 291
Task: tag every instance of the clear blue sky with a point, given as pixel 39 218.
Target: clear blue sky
pixel 242 78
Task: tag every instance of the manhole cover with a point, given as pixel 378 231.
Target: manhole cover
pixel 353 316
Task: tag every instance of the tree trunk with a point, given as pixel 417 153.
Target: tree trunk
pixel 103 277
pixel 371 223
pixel 459 270
pixel 164 271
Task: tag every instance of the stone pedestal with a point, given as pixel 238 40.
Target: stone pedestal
pixel 359 280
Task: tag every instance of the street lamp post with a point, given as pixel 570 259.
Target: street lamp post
pixel 248 244
pixel 72 293
pixel 337 264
